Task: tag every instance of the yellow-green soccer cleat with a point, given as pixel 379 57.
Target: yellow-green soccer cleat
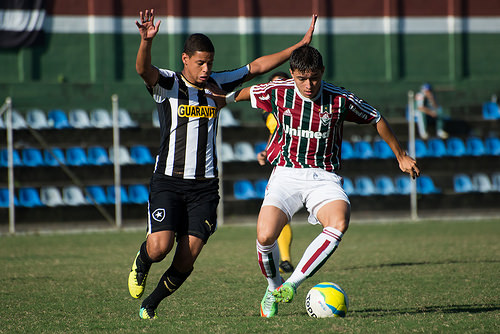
pixel 268 305
pixel 285 293
pixel 147 313
pixel 137 279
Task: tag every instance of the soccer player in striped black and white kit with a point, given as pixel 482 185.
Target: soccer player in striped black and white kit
pixel 184 187
pixel 305 149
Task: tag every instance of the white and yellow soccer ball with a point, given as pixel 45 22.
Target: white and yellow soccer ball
pixel 325 300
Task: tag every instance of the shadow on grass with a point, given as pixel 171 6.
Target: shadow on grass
pixel 422 263
pixel 426 309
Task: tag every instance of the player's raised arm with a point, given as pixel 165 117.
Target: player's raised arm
pixel 148 31
pixel 266 63
pixel 406 163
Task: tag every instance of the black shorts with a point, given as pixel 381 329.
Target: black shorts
pixel 184 206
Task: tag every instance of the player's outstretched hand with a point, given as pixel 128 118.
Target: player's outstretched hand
pixel 147 27
pixel 215 93
pixel 309 34
pixel 408 165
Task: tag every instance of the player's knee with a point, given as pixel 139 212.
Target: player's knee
pixel 157 250
pixel 266 239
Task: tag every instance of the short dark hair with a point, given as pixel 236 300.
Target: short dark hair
pixel 198 42
pixel 306 59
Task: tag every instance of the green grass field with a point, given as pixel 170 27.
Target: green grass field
pixel 420 277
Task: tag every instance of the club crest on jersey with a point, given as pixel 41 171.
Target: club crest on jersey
pixel 196 111
pixel 325 117
pixel 159 215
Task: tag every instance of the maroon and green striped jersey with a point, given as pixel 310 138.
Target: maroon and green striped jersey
pixel 309 132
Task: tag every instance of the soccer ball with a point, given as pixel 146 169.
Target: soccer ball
pixel 325 300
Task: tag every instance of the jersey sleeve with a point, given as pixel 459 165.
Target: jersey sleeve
pixel 260 97
pixel 166 80
pixel 230 80
pixel 358 111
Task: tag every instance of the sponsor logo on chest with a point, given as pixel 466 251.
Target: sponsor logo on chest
pixel 196 111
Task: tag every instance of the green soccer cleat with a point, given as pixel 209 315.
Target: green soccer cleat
pixel 268 305
pixel 137 279
pixel 285 293
pixel 147 313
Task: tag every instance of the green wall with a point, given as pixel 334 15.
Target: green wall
pixel 83 71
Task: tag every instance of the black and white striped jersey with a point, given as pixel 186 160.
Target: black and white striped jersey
pixel 188 123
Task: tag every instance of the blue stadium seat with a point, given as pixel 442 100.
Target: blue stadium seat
pixel 455 147
pixel 403 185
pixel 75 156
pixel 97 193
pixel 4 198
pixel 110 194
pixel 384 185
pixel 420 148
pixel 73 196
pixel 244 151
pixel 100 118
pixel 29 198
pixel 49 158
pixel 124 119
pixel 32 157
pixel 426 186
pixel 155 119
pixel 226 152
pixel 363 150
pixel 18 121
pixel 382 150
pixel 491 111
pixel 4 159
pixel 37 119
pixel 348 186
pixel 79 119
pixel 58 119
pixel 138 194
pixel 365 186
pixel 492 145
pixel 495 181
pixel 347 150
pixel 141 155
pixel 462 183
pixel 260 187
pixel 482 183
pixel 51 196
pixel 475 146
pixel 98 156
pixel 436 148
pixel 243 189
pixel 260 146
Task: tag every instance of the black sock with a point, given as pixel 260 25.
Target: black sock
pixel 143 260
pixel 169 283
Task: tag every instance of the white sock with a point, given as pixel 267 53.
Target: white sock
pixel 269 257
pixel 316 255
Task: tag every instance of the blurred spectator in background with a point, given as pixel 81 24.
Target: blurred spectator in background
pixel 428 111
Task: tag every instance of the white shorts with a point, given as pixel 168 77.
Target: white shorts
pixel 289 189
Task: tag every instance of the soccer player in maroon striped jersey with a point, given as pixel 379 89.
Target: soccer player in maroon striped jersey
pixel 305 150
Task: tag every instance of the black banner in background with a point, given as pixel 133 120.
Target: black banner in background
pixel 21 22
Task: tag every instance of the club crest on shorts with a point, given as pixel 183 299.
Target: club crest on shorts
pixel 159 214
